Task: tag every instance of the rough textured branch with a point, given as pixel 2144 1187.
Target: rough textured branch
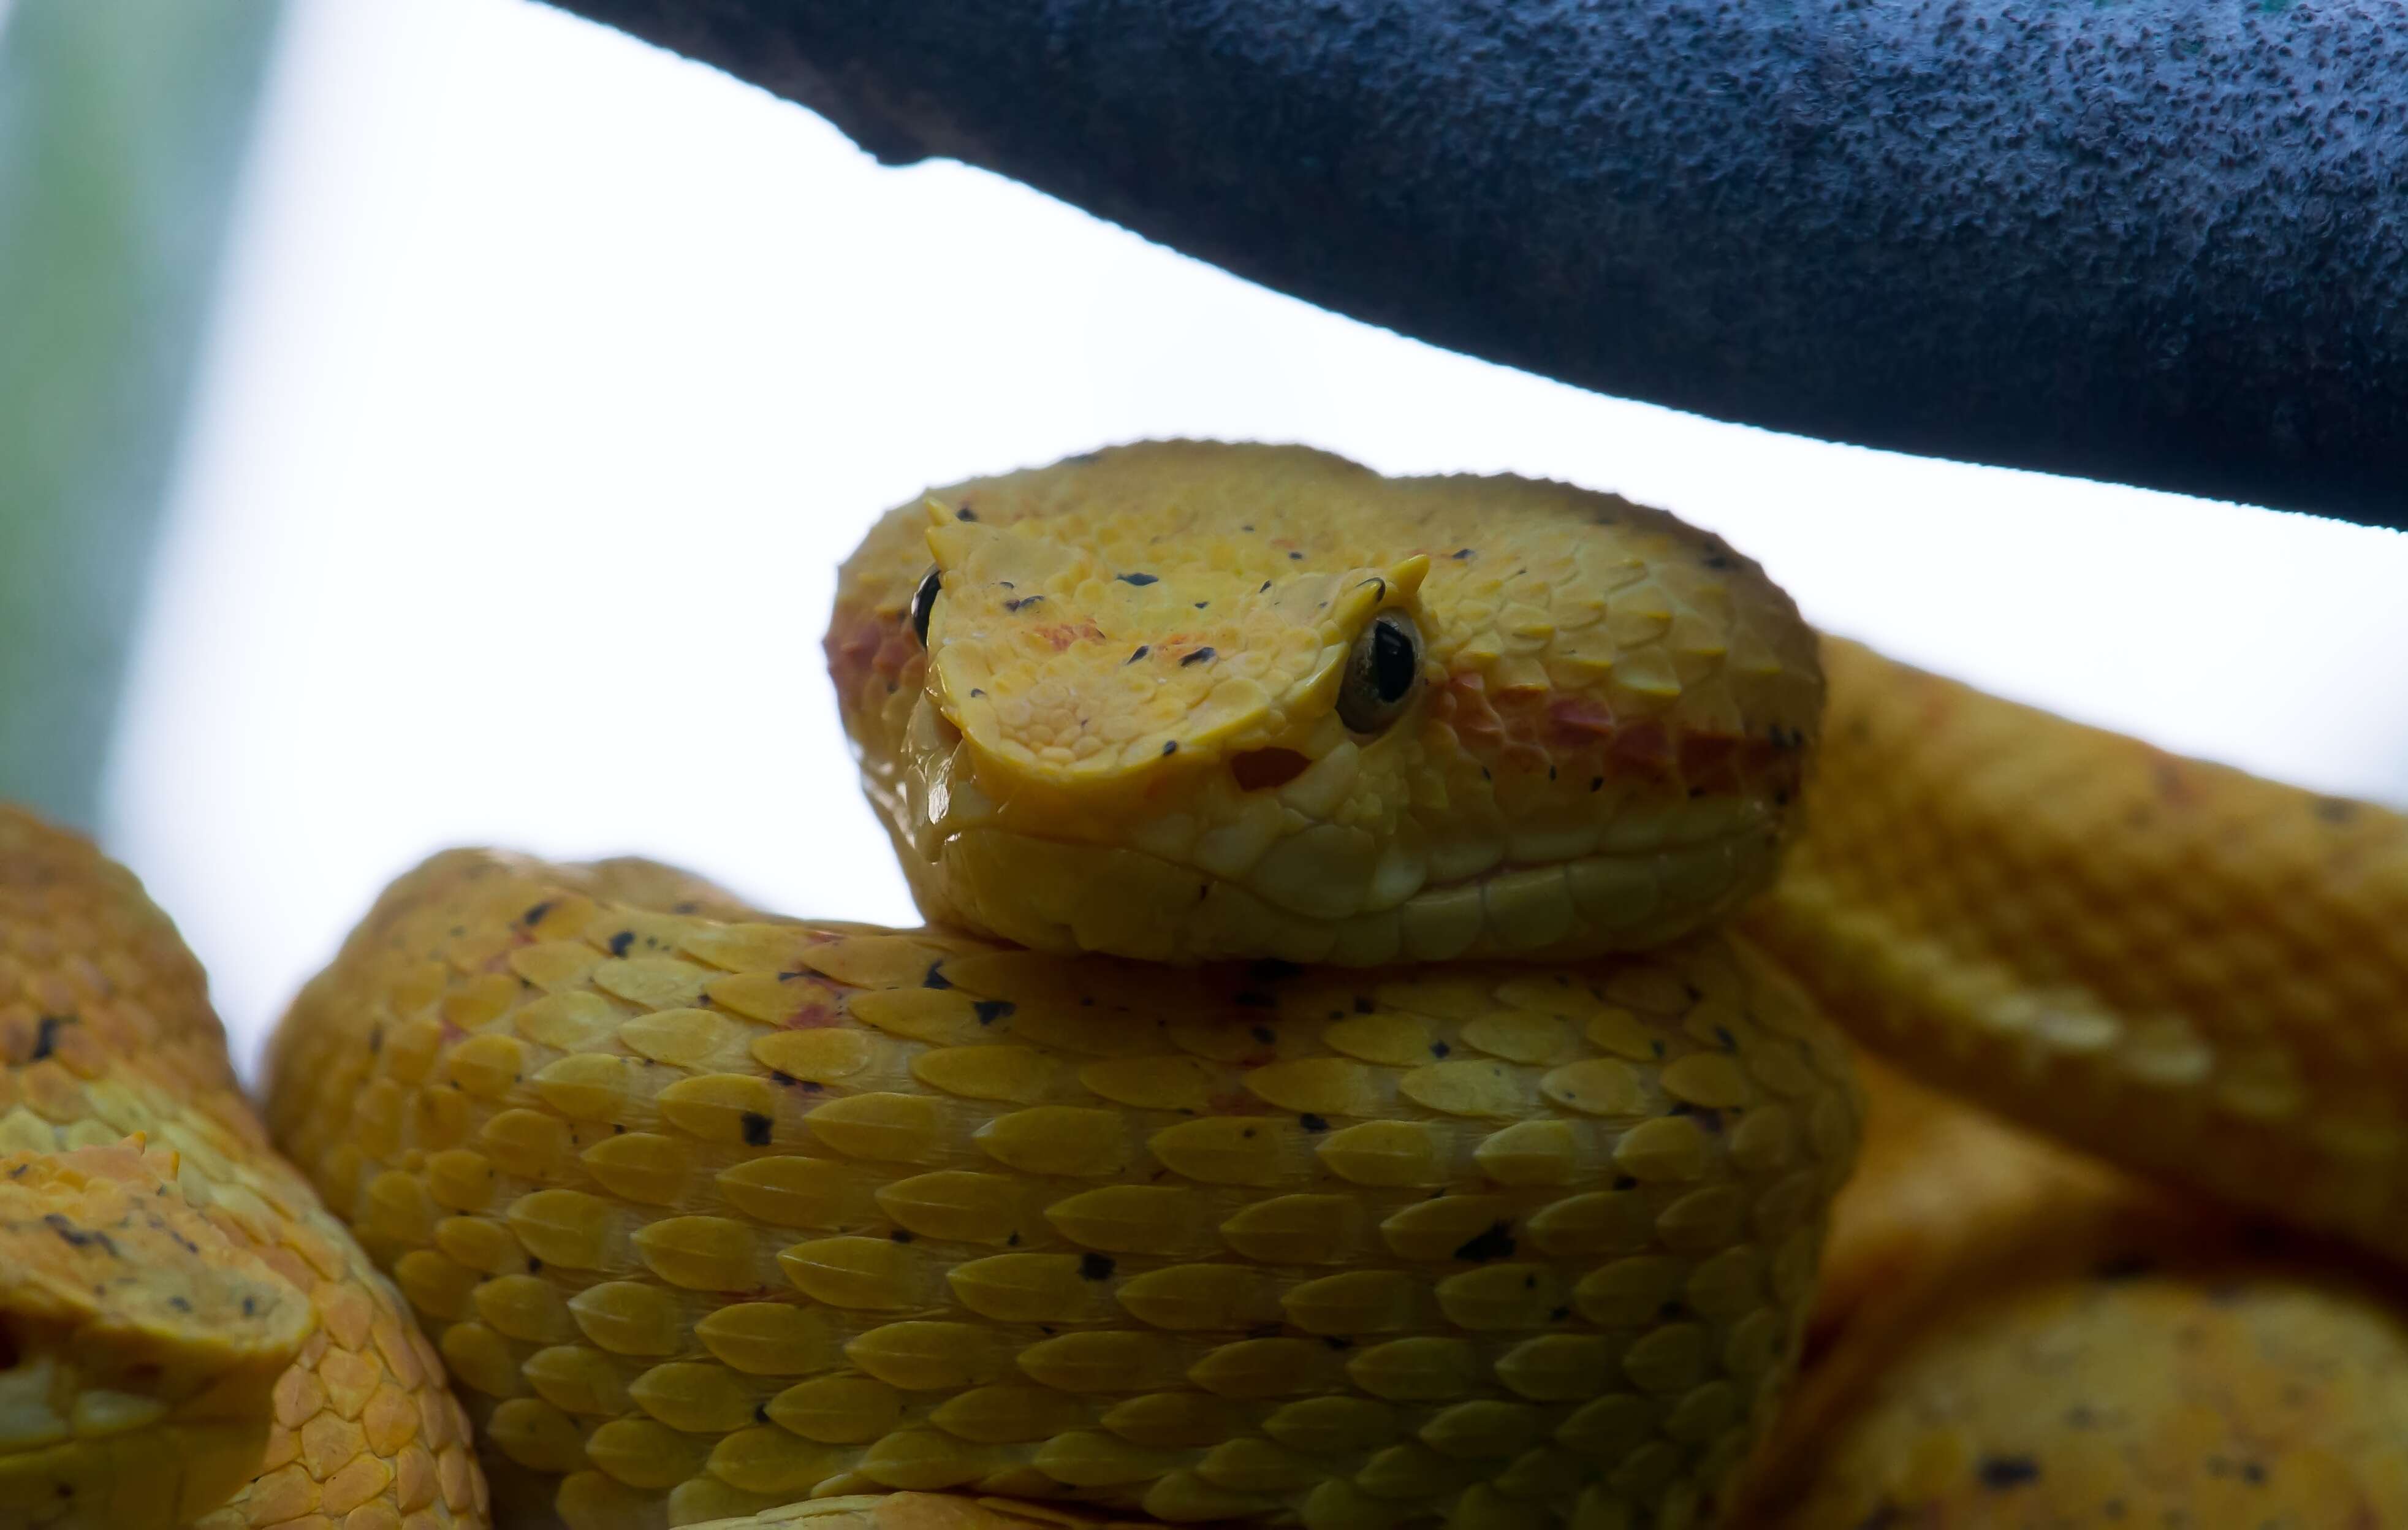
pixel 2153 241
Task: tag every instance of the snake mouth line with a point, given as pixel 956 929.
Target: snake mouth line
pixel 1048 891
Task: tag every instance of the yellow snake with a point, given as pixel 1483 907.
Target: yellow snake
pixel 186 1336
pixel 1480 1175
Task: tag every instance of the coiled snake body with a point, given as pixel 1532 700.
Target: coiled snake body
pixel 1333 1091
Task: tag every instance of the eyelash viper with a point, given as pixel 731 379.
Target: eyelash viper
pixel 1336 1090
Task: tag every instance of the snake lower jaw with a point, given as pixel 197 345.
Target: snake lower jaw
pixel 1080 897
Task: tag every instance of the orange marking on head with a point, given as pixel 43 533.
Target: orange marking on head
pixel 1061 635
pixel 1577 720
pixel 868 647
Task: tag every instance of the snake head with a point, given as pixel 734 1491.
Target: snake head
pixel 139 1345
pixel 1181 702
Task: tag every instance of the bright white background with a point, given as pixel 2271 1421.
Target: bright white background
pixel 555 375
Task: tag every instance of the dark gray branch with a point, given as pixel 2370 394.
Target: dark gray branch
pixel 2158 241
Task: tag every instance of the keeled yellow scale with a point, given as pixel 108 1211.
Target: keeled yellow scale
pixel 714 1212
pixel 2218 1000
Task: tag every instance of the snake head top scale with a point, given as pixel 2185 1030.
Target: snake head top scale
pixel 1185 702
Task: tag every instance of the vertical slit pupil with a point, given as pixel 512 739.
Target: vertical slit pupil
pixel 924 600
pixel 1394 663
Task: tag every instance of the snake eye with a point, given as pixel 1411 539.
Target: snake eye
pixel 924 600
pixel 1381 673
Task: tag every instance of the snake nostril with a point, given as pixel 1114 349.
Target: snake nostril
pixel 1257 768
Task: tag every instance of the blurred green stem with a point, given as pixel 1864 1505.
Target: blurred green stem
pixel 123 130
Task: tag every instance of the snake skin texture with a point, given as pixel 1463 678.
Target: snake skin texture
pixel 2012 1334
pixel 711 1212
pixel 186 1336
pixel 2221 1002
pixel 922 1511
